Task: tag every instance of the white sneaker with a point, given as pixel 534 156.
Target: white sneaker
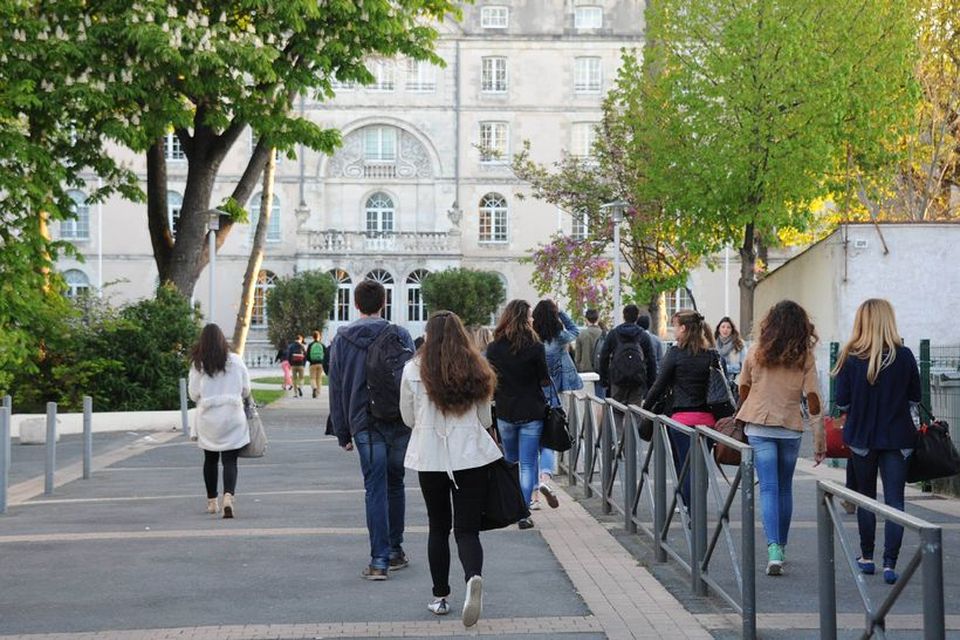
pixel 473 602
pixel 439 607
pixel 534 505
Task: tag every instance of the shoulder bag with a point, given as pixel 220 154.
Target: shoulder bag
pixel 833 436
pixel 719 397
pixel 733 428
pixel 504 504
pixel 935 456
pixel 555 434
pixel 257 446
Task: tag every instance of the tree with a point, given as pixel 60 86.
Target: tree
pixel 472 295
pixel 299 304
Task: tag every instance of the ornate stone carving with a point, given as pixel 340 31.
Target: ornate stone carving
pixel 413 160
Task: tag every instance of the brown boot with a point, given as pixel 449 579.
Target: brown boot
pixel 212 506
pixel 228 509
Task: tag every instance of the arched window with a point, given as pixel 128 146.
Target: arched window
pixel 341 305
pixel 174 204
pixel 493 218
pixel 273 226
pixel 380 212
pixel 77 227
pixel 265 282
pixel 384 278
pixel 77 283
pixel 416 311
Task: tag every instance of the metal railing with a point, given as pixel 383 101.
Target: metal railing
pixel 636 478
pixel 928 557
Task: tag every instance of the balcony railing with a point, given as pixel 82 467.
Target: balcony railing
pixel 352 242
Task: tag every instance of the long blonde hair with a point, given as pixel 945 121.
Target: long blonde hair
pixel 875 338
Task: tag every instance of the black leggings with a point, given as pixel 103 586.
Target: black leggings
pixel 210 471
pixel 465 519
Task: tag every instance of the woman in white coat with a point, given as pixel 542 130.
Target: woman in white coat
pixel 445 396
pixel 219 382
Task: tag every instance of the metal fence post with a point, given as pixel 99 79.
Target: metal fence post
pixel 588 434
pixel 87 437
pixel 925 372
pixel 629 470
pixel 184 416
pixel 51 448
pixel 827 580
pixel 607 427
pixel 574 425
pixel 698 512
pixel 748 545
pixel 5 420
pixel 834 354
pixel 931 567
pixel 659 489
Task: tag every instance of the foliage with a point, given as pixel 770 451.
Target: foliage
pixel 575 270
pixel 299 304
pixel 473 295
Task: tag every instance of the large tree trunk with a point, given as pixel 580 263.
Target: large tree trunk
pixel 245 312
pixel 748 280
pixel 658 314
pixel 161 236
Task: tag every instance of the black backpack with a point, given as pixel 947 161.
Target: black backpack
pixel 384 367
pixel 597 348
pixel 628 368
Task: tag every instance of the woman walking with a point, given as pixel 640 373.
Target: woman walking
pixel 557 331
pixel 731 348
pixel 218 384
pixel 445 396
pixel 518 357
pixel 285 367
pixel 780 372
pixel 877 380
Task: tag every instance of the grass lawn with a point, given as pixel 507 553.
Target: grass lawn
pixel 266 396
pixel 279 380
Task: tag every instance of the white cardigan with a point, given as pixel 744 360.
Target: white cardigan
pixel 221 424
pixel 441 442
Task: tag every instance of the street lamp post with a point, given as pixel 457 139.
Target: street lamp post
pixel 616 209
pixel 213 224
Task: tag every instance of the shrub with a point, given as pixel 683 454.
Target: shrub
pixel 299 304
pixel 472 295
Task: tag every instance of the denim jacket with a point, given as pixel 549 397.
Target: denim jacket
pixel 562 370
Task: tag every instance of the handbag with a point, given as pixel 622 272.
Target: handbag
pixel 733 428
pixel 662 408
pixel 833 436
pixel 719 397
pixel 935 456
pixel 555 434
pixel 257 446
pixel 504 504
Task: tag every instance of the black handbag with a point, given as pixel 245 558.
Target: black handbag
pixel 719 397
pixel 935 456
pixel 504 504
pixel 555 434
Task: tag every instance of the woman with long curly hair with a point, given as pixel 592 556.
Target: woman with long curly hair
pixel 780 371
pixel 218 383
pixel 519 359
pixel 445 396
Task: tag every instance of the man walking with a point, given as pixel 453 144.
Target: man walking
pixel 366 362
pixel 297 357
pixel 587 348
pixel 317 357
pixel 628 366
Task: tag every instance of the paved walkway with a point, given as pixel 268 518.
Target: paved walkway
pixel 131 554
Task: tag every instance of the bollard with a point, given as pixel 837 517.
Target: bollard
pixel 87 437
pixel 698 511
pixel 51 448
pixel 5 419
pixel 607 427
pixel 184 416
pixel 931 568
pixel 629 470
pixel 588 434
pixel 748 545
pixel 827 582
pixel 573 424
pixel 659 490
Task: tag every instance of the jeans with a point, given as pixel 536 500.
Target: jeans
pixel 381 461
pixel 211 470
pixel 893 470
pixel 521 442
pixel 548 461
pixel 468 501
pixel 775 460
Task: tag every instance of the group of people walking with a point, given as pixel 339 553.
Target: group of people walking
pixel 298 359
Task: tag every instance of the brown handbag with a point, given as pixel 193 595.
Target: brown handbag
pixel 733 428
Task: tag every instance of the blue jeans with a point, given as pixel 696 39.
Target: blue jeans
pixel 548 461
pixel 893 470
pixel 381 461
pixel 775 460
pixel 521 442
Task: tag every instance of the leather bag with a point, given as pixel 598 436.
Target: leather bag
pixel 555 434
pixel 257 446
pixel 733 428
pixel 719 397
pixel 935 455
pixel 833 436
pixel 504 504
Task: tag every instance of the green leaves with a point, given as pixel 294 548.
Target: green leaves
pixel 472 295
pixel 299 304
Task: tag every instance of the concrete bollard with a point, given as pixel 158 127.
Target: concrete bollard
pixel 51 444
pixel 87 437
pixel 5 418
pixel 184 416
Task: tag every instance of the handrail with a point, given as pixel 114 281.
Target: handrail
pixel 928 557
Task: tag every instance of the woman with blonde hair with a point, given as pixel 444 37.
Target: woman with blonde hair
pixel 445 396
pixel 877 380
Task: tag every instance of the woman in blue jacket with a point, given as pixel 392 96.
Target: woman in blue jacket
pixel 557 331
pixel 877 380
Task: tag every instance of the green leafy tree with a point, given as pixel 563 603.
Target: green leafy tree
pixel 299 304
pixel 472 295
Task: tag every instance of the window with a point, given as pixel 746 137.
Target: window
pixel 380 144
pixel 342 85
pixel 416 311
pixel 384 278
pixel 77 227
pixel 421 76
pixel 493 75
pixel 174 204
pixel 493 218
pixel 584 136
pixel 494 17
pixel 588 18
pixel 587 75
pixel 383 76
pixel 677 300
pixel 77 283
pixel 265 282
pixel 273 224
pixel 172 149
pixel 580 227
pixel 493 141
pixel 341 307
pixel 379 214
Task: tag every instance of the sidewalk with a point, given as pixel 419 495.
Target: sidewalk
pixel 131 554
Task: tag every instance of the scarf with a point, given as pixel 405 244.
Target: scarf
pixel 725 346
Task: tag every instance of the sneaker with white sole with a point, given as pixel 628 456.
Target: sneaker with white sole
pixel 439 607
pixel 473 602
pixel 775 560
pixel 534 505
pixel 547 492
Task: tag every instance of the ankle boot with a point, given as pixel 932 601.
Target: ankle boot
pixel 228 510
pixel 212 506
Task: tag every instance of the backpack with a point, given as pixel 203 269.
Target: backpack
pixel 297 356
pixel 386 357
pixel 314 358
pixel 627 365
pixel 597 348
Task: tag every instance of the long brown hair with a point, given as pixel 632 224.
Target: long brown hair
pixel 454 373
pixel 514 326
pixel 875 338
pixel 786 336
pixel 734 334
pixel 697 336
pixel 210 353
pixel 546 320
